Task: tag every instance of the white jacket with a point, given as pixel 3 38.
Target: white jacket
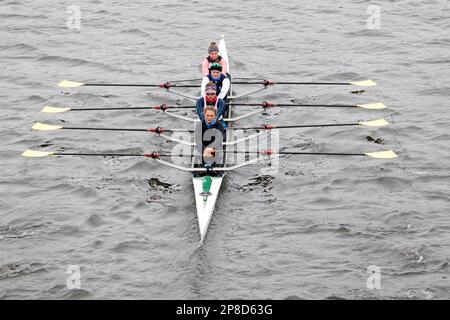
pixel 225 87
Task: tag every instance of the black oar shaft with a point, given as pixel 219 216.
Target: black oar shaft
pixel 99 154
pixel 293 105
pixel 162 85
pixel 273 152
pixel 322 153
pixel 317 125
pixel 119 85
pixel 270 127
pixel 265 82
pixel 169 85
pixel 147 155
pixel 318 83
pixel 105 129
pixel 185 80
pixel 157 130
pixel 230 104
pixel 318 105
pixel 161 107
pixel 112 108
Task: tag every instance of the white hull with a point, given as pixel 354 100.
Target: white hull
pixel 206 204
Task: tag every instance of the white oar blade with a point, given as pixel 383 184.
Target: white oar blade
pixel 382 154
pixel 372 106
pixel 365 83
pixel 70 84
pixel 49 109
pixel 36 154
pixel 374 123
pixel 45 127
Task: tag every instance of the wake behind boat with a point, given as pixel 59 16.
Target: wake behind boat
pixel 206 179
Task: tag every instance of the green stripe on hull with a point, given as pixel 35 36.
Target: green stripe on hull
pixel 207 181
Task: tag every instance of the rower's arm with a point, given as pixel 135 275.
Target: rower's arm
pixel 205 67
pixel 225 88
pixel 205 81
pixel 224 64
pixel 199 106
pixel 220 109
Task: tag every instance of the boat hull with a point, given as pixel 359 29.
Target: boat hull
pixel 207 191
pixel 205 203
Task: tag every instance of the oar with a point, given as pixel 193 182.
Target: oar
pixel 266 82
pixel 163 107
pixel 186 80
pixel 389 154
pixel 372 123
pixel 48 127
pixel 166 85
pixel 154 155
pixel 267 104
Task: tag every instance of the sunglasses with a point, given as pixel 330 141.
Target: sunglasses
pixel 211 94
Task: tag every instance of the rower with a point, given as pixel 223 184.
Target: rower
pixel 214 57
pixel 221 81
pixel 210 123
pixel 210 98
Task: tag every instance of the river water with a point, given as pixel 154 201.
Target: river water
pixel 314 229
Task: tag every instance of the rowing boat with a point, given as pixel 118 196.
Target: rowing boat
pixel 207 181
pixel 207 187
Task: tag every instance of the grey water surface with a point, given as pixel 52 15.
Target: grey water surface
pixel 309 231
